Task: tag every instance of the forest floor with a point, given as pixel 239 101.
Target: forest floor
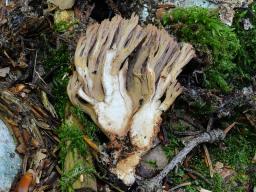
pixel 37 43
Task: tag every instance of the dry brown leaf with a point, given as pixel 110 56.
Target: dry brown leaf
pixel 224 171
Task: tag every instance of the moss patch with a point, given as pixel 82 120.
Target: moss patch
pixel 74 136
pixel 59 58
pixel 68 178
pixel 216 44
pixel 246 55
pixel 90 127
pixel 64 20
pixel 74 152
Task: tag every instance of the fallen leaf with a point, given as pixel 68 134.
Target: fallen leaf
pixel 218 166
pixel 152 162
pixel 224 171
pixel 48 105
pixel 39 156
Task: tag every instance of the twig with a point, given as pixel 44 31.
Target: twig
pixel 11 60
pixel 208 159
pixel 187 133
pixel 197 174
pixel 250 120
pixel 36 73
pixel 91 143
pixel 229 127
pixel 179 186
pixel 206 152
pixel 154 184
pixel 209 125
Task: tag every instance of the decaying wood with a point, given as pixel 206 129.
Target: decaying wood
pixel 125 79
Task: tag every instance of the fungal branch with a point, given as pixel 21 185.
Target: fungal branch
pixel 125 79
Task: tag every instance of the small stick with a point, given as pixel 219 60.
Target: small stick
pixel 197 174
pixel 91 143
pixel 186 165
pixel 11 60
pixel 208 159
pixel 179 186
pixel 209 125
pixel 154 184
pixel 186 133
pixel 250 120
pixel 229 128
pixel 206 152
pixel 166 5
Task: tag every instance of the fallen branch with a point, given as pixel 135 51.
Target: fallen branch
pixel 155 184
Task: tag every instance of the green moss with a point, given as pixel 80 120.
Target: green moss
pixel 61 26
pixel 74 153
pixel 179 126
pixel 246 56
pixel 190 189
pixel 74 136
pixel 59 58
pixel 202 108
pixel 64 20
pixel 239 149
pixel 70 177
pixel 173 145
pixel 217 183
pixel 215 43
pixel 90 127
pixel 152 163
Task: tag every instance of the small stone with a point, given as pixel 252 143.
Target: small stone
pixel 23 94
pixel 247 91
pixel 10 162
pixel 154 161
pixel 247 24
